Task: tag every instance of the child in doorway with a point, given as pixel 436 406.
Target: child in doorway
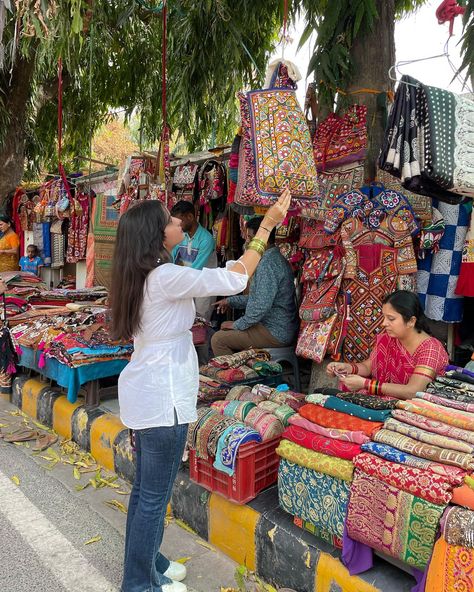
pixel 32 262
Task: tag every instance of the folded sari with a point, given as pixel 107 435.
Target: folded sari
pixel 236 392
pixel 313 496
pixel 266 424
pixel 346 435
pixel 209 371
pixel 368 401
pixel 454 475
pixel 451 568
pixel 436 412
pixel 428 437
pixel 318 443
pixel 433 425
pixel 458 527
pixel 427 451
pixel 420 482
pixel 262 389
pixel 229 445
pixel 219 406
pixel 265 368
pixel 284 412
pixel 239 358
pixel 455 383
pixel 268 406
pixel 337 404
pixel 462 405
pixel 456 413
pixel 392 521
pixel 239 409
pixel 329 465
pixel 329 538
pixel 449 393
pixel 335 419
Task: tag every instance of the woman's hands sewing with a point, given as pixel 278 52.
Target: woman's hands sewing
pixel 353 382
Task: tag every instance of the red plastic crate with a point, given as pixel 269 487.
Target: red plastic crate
pixel 255 469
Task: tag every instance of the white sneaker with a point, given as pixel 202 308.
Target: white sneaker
pixel 174 587
pixel 176 571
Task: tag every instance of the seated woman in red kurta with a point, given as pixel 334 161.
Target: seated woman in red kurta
pixel 405 358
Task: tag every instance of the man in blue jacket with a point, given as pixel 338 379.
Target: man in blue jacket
pixel 270 318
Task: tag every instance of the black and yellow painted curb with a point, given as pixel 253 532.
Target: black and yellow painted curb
pixel 258 535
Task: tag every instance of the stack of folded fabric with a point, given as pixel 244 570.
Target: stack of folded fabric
pixel 211 390
pixel 318 451
pixel 245 365
pixel 452 564
pixel 418 463
pixel 217 437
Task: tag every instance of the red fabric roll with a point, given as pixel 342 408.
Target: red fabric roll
pixel 319 443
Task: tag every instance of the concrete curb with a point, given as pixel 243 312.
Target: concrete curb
pixel 258 535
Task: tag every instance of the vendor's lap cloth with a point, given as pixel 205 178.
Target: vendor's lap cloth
pixel 454 475
pixel 433 425
pixel 458 527
pixel 426 451
pixel 337 404
pixel 313 441
pixel 368 401
pixel 451 568
pixel 329 465
pixel 449 416
pixel 345 435
pixel 335 419
pixel 392 521
pixel 313 496
pixel 452 403
pixel 420 482
pixel 428 437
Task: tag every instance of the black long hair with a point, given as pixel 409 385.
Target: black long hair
pixel 139 248
pixel 408 305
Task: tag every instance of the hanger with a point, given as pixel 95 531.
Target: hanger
pixel 393 70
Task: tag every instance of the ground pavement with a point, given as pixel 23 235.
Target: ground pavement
pixel 45 524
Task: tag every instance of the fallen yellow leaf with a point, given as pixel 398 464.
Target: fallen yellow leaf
pixel 95 539
pixel 204 544
pixel 76 473
pixel 116 505
pixel 183 560
pixel 15 480
pixel 185 526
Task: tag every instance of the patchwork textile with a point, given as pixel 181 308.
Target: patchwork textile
pixel 421 204
pixel 314 338
pixel 101 240
pixel 313 235
pixel 420 482
pixel 275 150
pixel 421 435
pixel 438 272
pixel 335 419
pixel 451 568
pixel 439 413
pixel 341 139
pixel 392 521
pixel 329 465
pixel 332 184
pixel 313 441
pixel 345 435
pixel 458 527
pixel 313 496
pixel 426 451
pixel 453 474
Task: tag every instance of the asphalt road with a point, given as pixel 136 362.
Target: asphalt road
pixel 45 523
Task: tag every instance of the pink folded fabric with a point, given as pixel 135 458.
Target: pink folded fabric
pixel 344 435
pixel 461 405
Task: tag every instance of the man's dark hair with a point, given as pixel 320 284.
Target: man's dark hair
pixel 254 224
pixel 183 207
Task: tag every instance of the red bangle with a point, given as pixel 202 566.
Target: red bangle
pixel 354 368
pixel 367 384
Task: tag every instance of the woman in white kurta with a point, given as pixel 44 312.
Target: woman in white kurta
pixel 152 301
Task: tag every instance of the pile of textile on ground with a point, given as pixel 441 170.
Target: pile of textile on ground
pixel 73 338
pixel 257 414
pixel 245 365
pixel 22 284
pixel 317 458
pixel 65 295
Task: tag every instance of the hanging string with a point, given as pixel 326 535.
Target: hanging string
pixel 62 172
pixel 285 22
pixel 91 65
pixel 163 157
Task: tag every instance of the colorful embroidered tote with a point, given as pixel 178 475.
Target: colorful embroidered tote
pixel 275 150
pixel 341 140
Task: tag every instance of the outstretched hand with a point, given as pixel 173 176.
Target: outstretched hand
pixel 277 213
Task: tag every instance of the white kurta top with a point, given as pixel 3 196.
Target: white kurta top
pixel 163 373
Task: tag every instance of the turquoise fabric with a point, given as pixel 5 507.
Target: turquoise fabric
pixel 229 444
pixel 313 496
pixel 337 404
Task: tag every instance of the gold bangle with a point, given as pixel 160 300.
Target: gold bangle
pixel 257 245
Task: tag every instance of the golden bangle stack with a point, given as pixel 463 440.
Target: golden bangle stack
pixel 257 245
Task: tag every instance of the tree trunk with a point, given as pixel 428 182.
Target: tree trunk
pixel 12 151
pixel 373 54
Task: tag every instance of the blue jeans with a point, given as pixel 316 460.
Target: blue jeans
pixel 159 453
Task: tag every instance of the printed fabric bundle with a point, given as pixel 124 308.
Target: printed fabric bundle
pixel 342 139
pixel 451 568
pixel 427 142
pixel 275 150
pixel 335 419
pixel 329 446
pixel 392 521
pixel 313 496
pixel 229 445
